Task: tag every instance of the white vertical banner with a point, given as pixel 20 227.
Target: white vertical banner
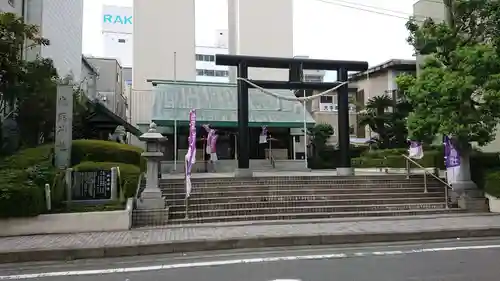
pixel 64 126
pixel 451 160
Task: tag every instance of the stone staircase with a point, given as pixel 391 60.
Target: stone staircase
pixel 229 166
pixel 302 197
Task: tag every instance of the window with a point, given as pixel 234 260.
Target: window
pixel 221 73
pixel 121 41
pixel 200 57
pixel 326 99
pixel 207 72
pixel 313 78
pixel 12 3
pixel 210 72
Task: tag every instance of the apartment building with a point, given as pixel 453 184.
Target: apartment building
pixel 377 81
pixel 325 110
pixel 89 78
pixel 110 85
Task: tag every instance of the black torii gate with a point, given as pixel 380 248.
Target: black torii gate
pixel 295 67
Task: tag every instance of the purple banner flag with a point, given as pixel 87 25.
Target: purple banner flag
pixel 451 155
pixel 191 153
pixel 416 150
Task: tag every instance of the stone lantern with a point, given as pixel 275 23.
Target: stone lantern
pixel 151 197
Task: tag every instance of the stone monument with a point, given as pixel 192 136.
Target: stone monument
pixel 151 197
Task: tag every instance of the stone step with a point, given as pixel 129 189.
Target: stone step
pixel 305 216
pixel 304 202
pixel 301 192
pixel 273 187
pixel 222 200
pixel 310 209
pixel 287 180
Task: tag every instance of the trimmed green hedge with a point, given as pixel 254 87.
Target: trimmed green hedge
pixel 129 175
pixel 19 196
pixel 22 182
pixel 23 175
pixel 329 157
pixel 480 164
pixel 492 183
pixel 381 153
pixel 106 151
pixel 393 159
pixel 28 157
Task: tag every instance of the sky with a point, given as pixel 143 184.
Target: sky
pixel 323 29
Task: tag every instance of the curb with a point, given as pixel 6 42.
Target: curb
pixel 244 243
pixel 353 219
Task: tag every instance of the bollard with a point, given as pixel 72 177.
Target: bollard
pixel 69 184
pixel 114 183
pixel 48 198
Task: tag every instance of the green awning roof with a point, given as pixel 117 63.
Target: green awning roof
pixel 216 104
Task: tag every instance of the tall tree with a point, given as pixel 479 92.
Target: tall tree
pixel 386 116
pixel 457 92
pixel 320 134
pixel 17 37
pixel 36 102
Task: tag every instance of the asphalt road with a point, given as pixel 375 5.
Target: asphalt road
pixel 457 260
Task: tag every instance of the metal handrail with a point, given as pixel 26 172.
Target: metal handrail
pixel 408 160
pixel 273 162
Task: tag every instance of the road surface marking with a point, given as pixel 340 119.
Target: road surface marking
pixel 239 261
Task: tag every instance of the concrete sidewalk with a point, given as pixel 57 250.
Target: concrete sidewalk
pixel 201 238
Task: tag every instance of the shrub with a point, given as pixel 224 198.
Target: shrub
pixel 26 174
pixel 19 196
pixel 480 164
pixel 29 157
pixel 36 161
pixel 129 174
pixel 381 153
pixel 393 159
pixel 329 157
pixel 492 183
pixel 106 151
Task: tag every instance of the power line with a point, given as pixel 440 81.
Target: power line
pixel 363 9
pixel 366 6
pixel 375 10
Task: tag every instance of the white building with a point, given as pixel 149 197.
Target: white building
pixel 61 22
pixel 168 51
pixel 206 70
pixel 261 28
pixel 117 29
pixel 117 32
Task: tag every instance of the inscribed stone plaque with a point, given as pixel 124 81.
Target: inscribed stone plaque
pixel 64 126
pixel 91 185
